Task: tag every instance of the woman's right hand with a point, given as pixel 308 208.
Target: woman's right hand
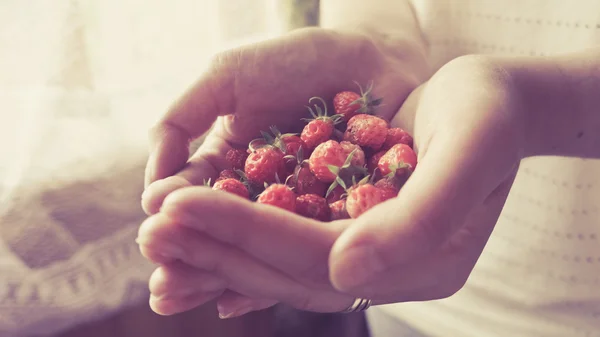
pixel 248 89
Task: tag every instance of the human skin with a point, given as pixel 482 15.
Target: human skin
pixel 473 122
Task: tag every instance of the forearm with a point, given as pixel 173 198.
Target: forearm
pixel 560 96
pixel 391 24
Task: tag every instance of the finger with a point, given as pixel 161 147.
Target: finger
pixel 232 304
pixel 242 273
pixel 450 180
pixel 444 272
pixel 265 232
pixel 203 165
pixel 191 116
pixel 171 306
pixel 177 280
pixel 155 193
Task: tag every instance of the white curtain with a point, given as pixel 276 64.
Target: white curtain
pixel 81 81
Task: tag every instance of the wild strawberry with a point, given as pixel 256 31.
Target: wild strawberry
pixel 389 186
pixel 278 195
pixel 350 103
pixel 264 165
pixel 320 128
pixel 348 172
pixel 313 206
pixel 358 158
pixel 335 194
pixel 305 182
pixel 374 161
pixel 226 174
pixel 232 185
pixel 290 144
pixel 236 158
pixel 293 144
pixel 338 210
pixel 362 198
pixel 367 131
pixel 399 160
pixel 329 153
pixel 397 136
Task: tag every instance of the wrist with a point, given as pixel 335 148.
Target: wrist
pixel 558 98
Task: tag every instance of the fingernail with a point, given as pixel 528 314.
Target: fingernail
pixel 164 248
pixel 358 266
pixel 225 314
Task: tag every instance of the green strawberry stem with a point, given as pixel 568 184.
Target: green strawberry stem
pixel 368 104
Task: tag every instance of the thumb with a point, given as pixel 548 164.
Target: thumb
pixel 190 117
pixel 454 175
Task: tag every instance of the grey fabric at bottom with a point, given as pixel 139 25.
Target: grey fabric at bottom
pixel 381 324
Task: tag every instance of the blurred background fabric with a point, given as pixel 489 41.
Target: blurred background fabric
pixel 80 84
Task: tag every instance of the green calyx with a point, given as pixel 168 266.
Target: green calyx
pixel 320 113
pixel 275 139
pixel 367 103
pixel 346 172
pixel 394 168
pixel 299 157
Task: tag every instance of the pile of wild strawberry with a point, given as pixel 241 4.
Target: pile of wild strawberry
pixel 338 167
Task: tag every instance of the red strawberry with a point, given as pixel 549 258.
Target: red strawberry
pixel 347 174
pixel 374 161
pixel 389 186
pixel 305 182
pixel 236 158
pixel 399 160
pixel 264 165
pixel 362 198
pixel 290 145
pixel 320 128
pixel 313 206
pixel 367 131
pixel 226 174
pixel 232 186
pixel 278 195
pixel 350 103
pixel 338 210
pixel 397 136
pixel 293 144
pixel 336 194
pixel 346 103
pixel 358 158
pixel 329 153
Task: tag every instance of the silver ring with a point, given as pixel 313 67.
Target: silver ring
pixel 360 304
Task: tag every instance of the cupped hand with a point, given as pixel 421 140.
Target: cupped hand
pixel 469 131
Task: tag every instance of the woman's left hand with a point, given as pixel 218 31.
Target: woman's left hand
pixel 422 245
